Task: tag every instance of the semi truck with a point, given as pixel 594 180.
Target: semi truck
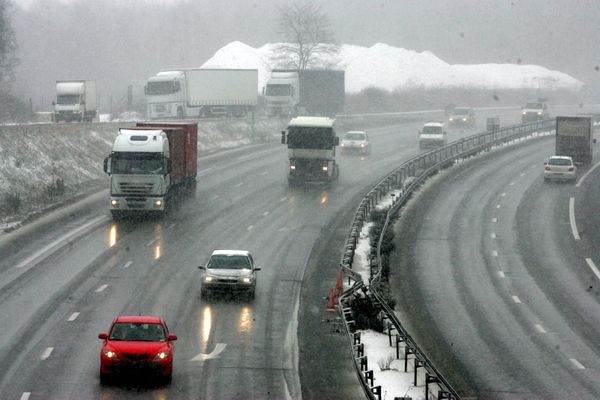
pixel 311 143
pixel 305 92
pixel 575 138
pixel 199 93
pixel 149 165
pixel 75 101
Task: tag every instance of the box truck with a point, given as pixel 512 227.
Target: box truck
pixel 575 138
pixel 75 101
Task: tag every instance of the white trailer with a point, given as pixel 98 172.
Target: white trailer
pixel 196 93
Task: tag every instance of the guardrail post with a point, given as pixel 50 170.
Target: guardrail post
pixel 399 339
pixel 377 391
pixel 364 363
pixel 429 379
pixel 418 364
pixel 369 377
pixel 360 349
pixel 407 351
pixel 390 326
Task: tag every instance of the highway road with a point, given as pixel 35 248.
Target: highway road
pixel 498 281
pixel 63 282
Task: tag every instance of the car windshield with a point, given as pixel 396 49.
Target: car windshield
pixel 354 136
pixel 460 111
pixel 137 331
pixel 533 105
pixel 560 161
pixel 229 262
pixel 436 130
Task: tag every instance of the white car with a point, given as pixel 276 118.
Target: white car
pixel 356 142
pixel 432 135
pixel 560 168
pixel 229 271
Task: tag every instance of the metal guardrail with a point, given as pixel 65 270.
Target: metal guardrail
pixel 407 178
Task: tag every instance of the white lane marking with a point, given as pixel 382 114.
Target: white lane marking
pixel 150 243
pixel 522 173
pixel 572 218
pixel 503 195
pixel 501 274
pixel 494 219
pixel 239 184
pixel 219 347
pixel 127 264
pixel 283 199
pixel 498 206
pixel 586 174
pixel 540 328
pixel 216 196
pixel 204 171
pixel 61 240
pixel 250 227
pixel 495 253
pixel 512 184
pixel 47 353
pixel 576 363
pixel 493 235
pixel 593 267
pixel 101 288
pixel 265 213
pixel 73 317
pixel 25 395
pixel 516 299
pixel 171 226
pixel 285 228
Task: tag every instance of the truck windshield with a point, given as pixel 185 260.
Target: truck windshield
pixel 138 163
pixel 161 88
pixel 310 138
pixel 534 106
pixel 67 99
pixel 278 90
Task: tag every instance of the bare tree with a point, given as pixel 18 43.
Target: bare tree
pixel 8 44
pixel 308 40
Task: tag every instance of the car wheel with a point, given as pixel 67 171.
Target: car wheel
pixel 251 294
pixel 167 379
pixel 203 294
pixel 104 379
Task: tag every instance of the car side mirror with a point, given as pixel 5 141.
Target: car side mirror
pixel 282 137
pixel 106 165
pixel 257 268
pixel 201 267
pixel 594 140
pixel 336 141
pixel 102 336
pixel 172 337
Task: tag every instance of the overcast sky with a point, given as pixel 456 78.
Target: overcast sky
pixel 125 41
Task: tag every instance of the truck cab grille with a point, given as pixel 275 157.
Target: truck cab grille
pixel 139 189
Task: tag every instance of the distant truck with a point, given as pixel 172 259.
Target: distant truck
pixel 199 93
pixel 75 101
pixel 318 92
pixel 149 163
pixel 432 135
pixel 311 143
pixel 574 138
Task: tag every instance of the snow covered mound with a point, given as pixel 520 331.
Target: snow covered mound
pixel 391 68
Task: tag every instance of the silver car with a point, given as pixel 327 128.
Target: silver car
pixel 356 142
pixel 229 271
pixel 560 168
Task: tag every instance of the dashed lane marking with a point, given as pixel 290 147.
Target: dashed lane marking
pixel 265 213
pixel 250 227
pixel 576 363
pixel 73 317
pixel 101 288
pixel 493 235
pixel 47 353
pixel 127 264
pixel 25 395
pixel 516 299
pixel 495 253
pixel 501 274
pixel 494 219
pixel 540 328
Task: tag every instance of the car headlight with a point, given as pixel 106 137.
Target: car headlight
pixel 247 279
pixel 158 203
pixel 114 203
pixel 325 168
pixel 451 119
pixel 292 167
pixel 524 112
pixel 464 119
pixel 539 113
pixel 362 145
pixel 162 355
pixel 343 144
pixel 208 279
pixel 110 354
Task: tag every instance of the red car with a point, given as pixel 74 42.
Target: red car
pixel 137 345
